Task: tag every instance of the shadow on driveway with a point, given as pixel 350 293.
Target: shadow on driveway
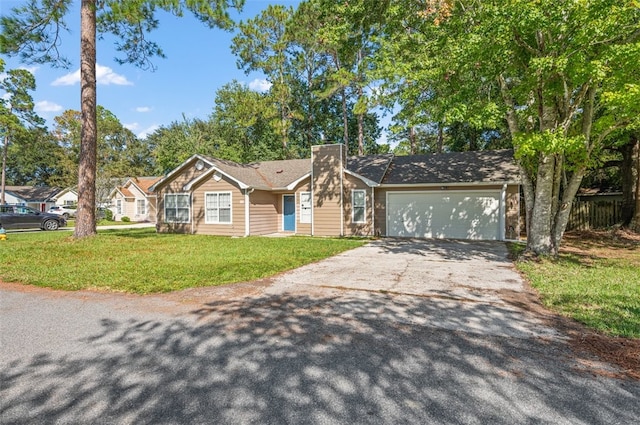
pixel 298 359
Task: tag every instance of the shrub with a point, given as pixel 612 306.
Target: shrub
pixel 108 214
pixel 125 219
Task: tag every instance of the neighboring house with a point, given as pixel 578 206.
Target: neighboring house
pixel 39 198
pixel 66 197
pixel 134 200
pixel 463 195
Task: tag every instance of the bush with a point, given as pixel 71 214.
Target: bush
pixel 125 219
pixel 108 214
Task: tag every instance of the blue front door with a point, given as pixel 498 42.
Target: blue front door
pixel 289 213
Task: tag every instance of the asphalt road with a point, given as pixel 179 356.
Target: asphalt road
pixel 307 347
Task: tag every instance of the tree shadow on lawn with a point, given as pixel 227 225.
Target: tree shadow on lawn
pixel 303 359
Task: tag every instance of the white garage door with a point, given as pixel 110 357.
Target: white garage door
pixel 463 215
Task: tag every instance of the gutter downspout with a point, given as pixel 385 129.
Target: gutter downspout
pixel 373 214
pixel 503 209
pixel 313 210
pixel 191 212
pixel 247 192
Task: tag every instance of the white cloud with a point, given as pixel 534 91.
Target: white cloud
pixel 143 109
pixel 132 126
pixel 45 106
pixel 144 133
pixel 260 85
pixel 104 75
pixel 31 69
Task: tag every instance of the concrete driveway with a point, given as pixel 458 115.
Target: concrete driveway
pixel 469 277
pixel 397 332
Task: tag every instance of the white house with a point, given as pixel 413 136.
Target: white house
pixel 134 200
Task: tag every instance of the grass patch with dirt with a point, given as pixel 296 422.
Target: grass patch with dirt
pixel 595 280
pixel 142 261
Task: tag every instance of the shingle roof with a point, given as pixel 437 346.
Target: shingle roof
pixel 266 174
pixel 453 167
pixel 144 183
pixel 33 193
pixel 372 167
pixel 126 192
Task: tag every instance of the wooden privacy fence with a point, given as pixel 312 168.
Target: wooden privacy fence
pixel 587 215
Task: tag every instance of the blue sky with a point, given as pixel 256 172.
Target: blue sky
pixel 198 62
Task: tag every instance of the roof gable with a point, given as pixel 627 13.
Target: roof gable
pixel 33 193
pixel 371 167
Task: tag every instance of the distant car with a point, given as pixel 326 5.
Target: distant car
pixel 101 213
pixel 64 211
pixel 21 217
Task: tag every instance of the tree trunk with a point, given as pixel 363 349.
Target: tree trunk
pixel 540 229
pixel 440 144
pixel 629 181
pixel 345 119
pixel 564 209
pixel 635 221
pixel 412 140
pixel 86 217
pixel 5 149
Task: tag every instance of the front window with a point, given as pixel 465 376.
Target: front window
pixel 141 206
pixel 305 207
pixel 119 206
pixel 176 208
pixel 359 202
pixel 217 207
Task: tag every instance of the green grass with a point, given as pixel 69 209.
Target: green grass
pixel 600 288
pixel 142 261
pixel 104 222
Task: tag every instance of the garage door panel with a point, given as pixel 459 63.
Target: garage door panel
pixel 437 215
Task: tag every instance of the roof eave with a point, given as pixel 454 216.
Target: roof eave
pixel 177 170
pixel 367 181
pixel 454 184
pixel 187 187
pixel 294 183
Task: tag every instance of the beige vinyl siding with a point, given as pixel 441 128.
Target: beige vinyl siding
pixel 152 209
pixel 263 217
pixel 303 228
pixel 175 185
pixel 327 181
pixel 356 229
pixel 236 227
pixel 512 207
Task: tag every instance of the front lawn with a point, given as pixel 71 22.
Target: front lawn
pixel 596 281
pixel 142 261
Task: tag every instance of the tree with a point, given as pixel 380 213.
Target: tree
pixel 16 111
pixel 173 144
pixel 35 158
pixel 562 74
pixel 243 120
pixel 33 32
pixel 119 152
pixel 262 45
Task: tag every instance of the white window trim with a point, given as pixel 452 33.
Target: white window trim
pixel 188 206
pixel 302 216
pixel 353 206
pixel 144 206
pixel 206 221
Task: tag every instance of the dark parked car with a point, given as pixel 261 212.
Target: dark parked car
pixel 21 217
